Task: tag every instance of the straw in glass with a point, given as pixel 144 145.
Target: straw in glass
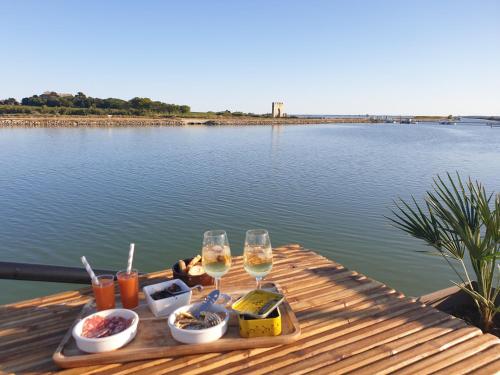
pixel 91 273
pixel 130 258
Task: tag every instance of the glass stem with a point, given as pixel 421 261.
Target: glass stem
pixel 258 279
pixel 217 283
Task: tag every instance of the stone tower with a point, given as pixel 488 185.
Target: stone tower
pixel 278 109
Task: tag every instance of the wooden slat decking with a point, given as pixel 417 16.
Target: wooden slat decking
pixel 349 323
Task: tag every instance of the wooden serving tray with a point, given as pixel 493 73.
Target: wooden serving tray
pixel 153 339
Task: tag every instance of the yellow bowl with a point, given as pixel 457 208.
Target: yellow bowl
pixel 252 327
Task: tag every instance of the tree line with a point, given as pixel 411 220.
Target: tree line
pixel 52 102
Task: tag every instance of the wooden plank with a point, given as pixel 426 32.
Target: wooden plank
pixel 296 276
pixel 362 345
pixel 363 309
pixel 288 264
pixel 412 355
pixel 350 323
pixel 36 317
pixel 44 301
pixel 436 329
pixel 225 369
pixel 471 363
pixel 204 358
pixel 100 369
pixel 491 368
pixel 33 346
pixel 35 336
pixel 330 339
pixel 451 355
pixel 364 289
pixel 226 359
pixel 235 356
pixel 370 303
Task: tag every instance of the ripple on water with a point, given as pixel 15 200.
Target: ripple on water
pixel 68 192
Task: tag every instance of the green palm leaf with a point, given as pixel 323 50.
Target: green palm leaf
pixel 457 219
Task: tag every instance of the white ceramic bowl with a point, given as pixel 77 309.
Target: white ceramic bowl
pixel 166 306
pixel 202 336
pixel 106 344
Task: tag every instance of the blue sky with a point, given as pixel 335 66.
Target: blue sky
pixel 336 57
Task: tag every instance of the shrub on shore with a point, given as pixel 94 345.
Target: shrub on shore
pixel 80 104
pixel 69 111
pixel 54 104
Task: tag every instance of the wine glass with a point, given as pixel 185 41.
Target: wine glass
pixel 258 254
pixel 216 256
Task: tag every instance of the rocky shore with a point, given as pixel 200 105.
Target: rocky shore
pixel 101 121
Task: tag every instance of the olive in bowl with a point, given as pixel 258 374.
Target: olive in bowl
pixel 165 297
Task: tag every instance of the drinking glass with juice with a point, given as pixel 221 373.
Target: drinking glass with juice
pixel 129 288
pixel 104 293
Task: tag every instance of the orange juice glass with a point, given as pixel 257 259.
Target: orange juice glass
pixel 104 293
pixel 129 288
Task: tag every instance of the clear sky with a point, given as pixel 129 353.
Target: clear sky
pixel 319 57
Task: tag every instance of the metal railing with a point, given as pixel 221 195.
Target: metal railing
pixel 46 272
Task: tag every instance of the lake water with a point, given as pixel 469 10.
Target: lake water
pixel 71 192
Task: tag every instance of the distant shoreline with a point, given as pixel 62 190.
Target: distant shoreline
pixel 128 121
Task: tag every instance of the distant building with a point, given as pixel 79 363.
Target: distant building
pixel 278 109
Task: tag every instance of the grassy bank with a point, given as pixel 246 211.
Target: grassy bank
pixel 44 111
pixel 72 111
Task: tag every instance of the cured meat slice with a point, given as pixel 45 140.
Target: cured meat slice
pixel 97 326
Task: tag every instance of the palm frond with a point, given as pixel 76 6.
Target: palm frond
pixel 459 218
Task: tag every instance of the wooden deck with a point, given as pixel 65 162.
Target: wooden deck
pixel 349 323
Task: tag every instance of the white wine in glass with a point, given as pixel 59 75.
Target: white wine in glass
pixel 216 255
pixel 258 254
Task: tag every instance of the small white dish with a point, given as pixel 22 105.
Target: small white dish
pixel 109 343
pixel 166 306
pixel 201 336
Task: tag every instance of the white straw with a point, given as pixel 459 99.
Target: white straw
pixel 130 258
pixel 91 273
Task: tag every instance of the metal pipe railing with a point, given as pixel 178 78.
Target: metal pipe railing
pixel 46 272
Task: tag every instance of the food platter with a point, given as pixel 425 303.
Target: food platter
pixel 154 339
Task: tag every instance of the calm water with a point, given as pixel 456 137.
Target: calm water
pixel 71 192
